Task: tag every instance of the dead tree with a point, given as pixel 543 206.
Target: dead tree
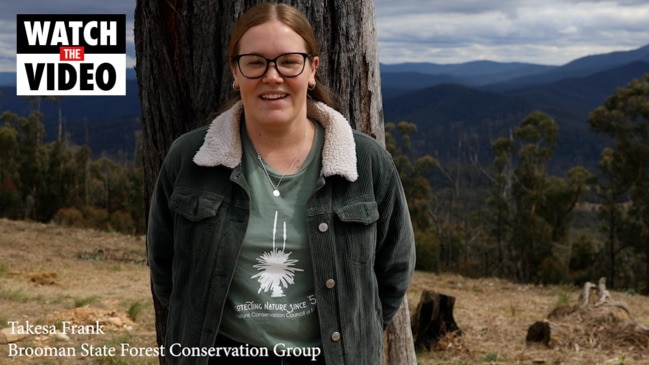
pixel 597 321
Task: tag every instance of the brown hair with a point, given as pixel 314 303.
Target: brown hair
pixel 295 20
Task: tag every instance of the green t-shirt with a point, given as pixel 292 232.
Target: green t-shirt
pixel 272 296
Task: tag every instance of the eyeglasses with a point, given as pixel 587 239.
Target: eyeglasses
pixel 254 66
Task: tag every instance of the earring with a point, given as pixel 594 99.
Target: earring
pixel 311 87
pixel 234 86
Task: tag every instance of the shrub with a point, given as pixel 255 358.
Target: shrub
pixel 122 222
pixel 96 218
pixel 70 217
pixel 10 202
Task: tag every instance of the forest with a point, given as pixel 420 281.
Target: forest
pixel 511 218
pixel 63 183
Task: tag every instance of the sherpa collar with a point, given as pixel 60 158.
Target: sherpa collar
pixel 222 144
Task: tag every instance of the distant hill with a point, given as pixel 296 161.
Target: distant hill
pixel 471 103
pixel 582 94
pixel 578 68
pixel 395 84
pixel 467 69
pixel 106 123
pixel 498 76
pixel 475 73
pixel 450 114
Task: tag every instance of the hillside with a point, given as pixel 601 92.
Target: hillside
pixel 446 114
pixel 50 274
pixel 106 123
pixel 477 101
pixel 580 67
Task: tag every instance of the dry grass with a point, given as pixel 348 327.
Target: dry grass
pixel 494 316
pixel 50 274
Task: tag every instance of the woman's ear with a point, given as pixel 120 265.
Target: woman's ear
pixel 314 67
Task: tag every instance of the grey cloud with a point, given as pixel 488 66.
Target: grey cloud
pixel 441 31
pixel 550 32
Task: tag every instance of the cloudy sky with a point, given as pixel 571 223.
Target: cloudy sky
pixel 551 32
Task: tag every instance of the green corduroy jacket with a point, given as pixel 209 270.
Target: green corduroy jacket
pixel 359 232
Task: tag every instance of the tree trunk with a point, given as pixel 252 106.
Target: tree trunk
pixel 433 320
pixel 398 343
pixel 183 76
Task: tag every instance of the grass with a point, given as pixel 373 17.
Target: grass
pixel 82 302
pixel 493 314
pixel 128 359
pixel 489 357
pixel 563 299
pixel 134 310
pixel 15 295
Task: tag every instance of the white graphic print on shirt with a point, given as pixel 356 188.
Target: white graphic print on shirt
pixel 276 268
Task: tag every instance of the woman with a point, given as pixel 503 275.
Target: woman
pixel 277 234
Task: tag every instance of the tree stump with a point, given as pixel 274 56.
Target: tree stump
pixel 433 320
pixel 540 331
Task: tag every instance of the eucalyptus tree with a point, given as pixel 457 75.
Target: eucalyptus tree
pixel 624 117
pixel 417 188
pixel 536 139
pixel 499 204
pixel 611 189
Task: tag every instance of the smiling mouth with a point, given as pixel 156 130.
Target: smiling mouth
pixel 273 96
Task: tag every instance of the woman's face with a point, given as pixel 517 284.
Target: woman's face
pixel 273 101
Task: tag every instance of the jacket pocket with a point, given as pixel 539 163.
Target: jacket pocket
pixel 195 218
pixel 360 212
pixel 194 205
pixel 357 230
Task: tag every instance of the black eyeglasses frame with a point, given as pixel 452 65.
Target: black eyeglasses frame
pixel 305 55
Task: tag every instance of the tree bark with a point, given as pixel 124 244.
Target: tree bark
pixel 433 319
pixel 183 77
pixel 398 342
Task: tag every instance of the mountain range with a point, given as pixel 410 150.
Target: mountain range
pixel 469 105
pixel 464 106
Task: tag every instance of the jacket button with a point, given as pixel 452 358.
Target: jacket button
pixel 330 283
pixel 323 227
pixel 335 336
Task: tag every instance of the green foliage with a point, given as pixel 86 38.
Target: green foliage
pixel 82 302
pixel 529 210
pixel 582 261
pixel 553 271
pixel 10 205
pixel 17 296
pixel 563 299
pixel 624 118
pixel 122 221
pixel 10 202
pixel 489 357
pixel 525 227
pixel 61 183
pixel 134 310
pixel 417 190
pixel 427 249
